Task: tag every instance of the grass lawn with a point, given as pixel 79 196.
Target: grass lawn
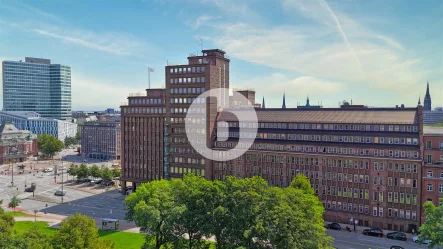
pixel 121 239
pixel 21 214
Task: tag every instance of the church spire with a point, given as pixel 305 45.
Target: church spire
pixel 427 103
pixel 284 101
pixel 307 101
pixel 263 103
pixel 419 102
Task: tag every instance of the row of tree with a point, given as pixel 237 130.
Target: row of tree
pixel 94 171
pixel 238 213
pixel 78 231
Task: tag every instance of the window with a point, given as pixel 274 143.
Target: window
pixel 380 211
pixel 429 187
pixel 428 145
pixel 429 173
pixel 440 188
pixel 441 145
pixel 429 158
pixel 374 211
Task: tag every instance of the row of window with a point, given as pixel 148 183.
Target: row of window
pixel 429 145
pixel 187 80
pixel 187 90
pixel 430 187
pixel 324 138
pixel 187 160
pixel 188 100
pixel 140 101
pixel 315 149
pixel 402 198
pixel 178 70
pixel 345 127
pixel 182 170
pixel 144 110
pixel 364 209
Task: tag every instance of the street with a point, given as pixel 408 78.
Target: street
pixel 351 240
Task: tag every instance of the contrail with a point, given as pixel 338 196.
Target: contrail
pixel 345 38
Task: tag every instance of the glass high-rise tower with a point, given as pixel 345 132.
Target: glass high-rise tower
pixel 39 86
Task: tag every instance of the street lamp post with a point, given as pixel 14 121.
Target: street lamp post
pixel 61 158
pixel 35 214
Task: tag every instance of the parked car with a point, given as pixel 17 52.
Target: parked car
pixel 416 239
pixel 60 193
pixel 373 232
pixel 396 235
pixel 396 247
pixel 48 170
pixel 99 181
pixel 333 226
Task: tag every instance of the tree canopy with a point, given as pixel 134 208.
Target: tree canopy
pixel 239 213
pixel 83 171
pixel 15 201
pixel 79 231
pixel 432 228
pixel 6 225
pixel 49 145
pixel 70 141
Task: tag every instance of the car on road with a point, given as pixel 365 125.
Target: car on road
pixel 60 193
pixel 333 226
pixel 416 239
pixel 373 232
pixel 99 181
pixel 108 183
pixel 48 170
pixel 396 247
pixel 396 235
pixel 62 168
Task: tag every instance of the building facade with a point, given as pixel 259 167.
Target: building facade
pixel 363 163
pixel 39 86
pixel 432 181
pixel 32 122
pixel 143 137
pixel 433 117
pixel 16 145
pixel 101 140
pixel 184 83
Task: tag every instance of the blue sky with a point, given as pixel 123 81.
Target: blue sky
pixel 377 53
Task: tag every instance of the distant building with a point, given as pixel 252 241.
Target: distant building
pixel 39 86
pixel 101 140
pixel 427 102
pixel 308 105
pixel 79 114
pixel 33 122
pixel 432 177
pixel 433 117
pixel 110 111
pixel 16 145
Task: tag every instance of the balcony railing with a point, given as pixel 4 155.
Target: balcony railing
pixel 138 94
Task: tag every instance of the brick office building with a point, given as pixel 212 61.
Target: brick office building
pixel 363 163
pixel 142 139
pixel 432 181
pixel 101 140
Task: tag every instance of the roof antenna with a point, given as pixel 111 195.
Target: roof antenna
pixel 201 44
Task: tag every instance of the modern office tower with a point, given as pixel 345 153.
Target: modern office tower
pixel 364 163
pixel 184 83
pixel 142 137
pixel 32 122
pixel 101 140
pixel 39 86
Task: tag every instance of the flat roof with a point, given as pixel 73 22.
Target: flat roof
pixel 407 116
pixel 432 131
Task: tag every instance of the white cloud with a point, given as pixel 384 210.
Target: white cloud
pixel 201 20
pixel 90 93
pixel 110 42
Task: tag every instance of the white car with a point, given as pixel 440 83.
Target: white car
pixel 424 241
pixel 48 170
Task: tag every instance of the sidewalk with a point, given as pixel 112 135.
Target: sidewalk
pixel 359 229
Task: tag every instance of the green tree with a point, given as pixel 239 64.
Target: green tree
pixel 79 232
pixel 154 210
pixel 106 174
pixel 83 171
pixel 15 201
pixel 95 171
pixel 49 145
pixel 432 228
pixel 6 225
pixel 70 141
pixel 116 172
pixel 32 238
pixel 78 136
pixel 72 171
